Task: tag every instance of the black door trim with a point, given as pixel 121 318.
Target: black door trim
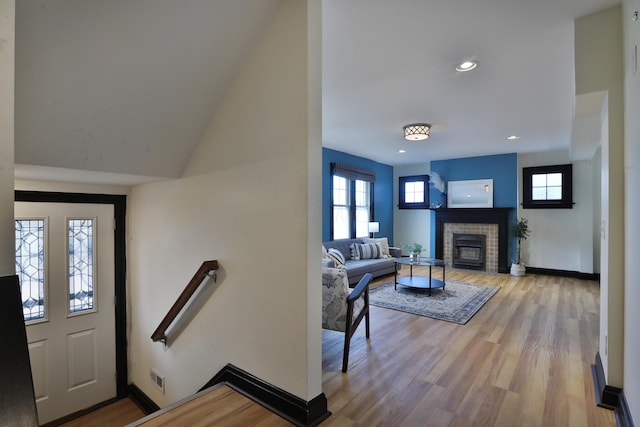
pixel 119 203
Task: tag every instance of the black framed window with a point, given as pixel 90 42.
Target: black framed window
pixel 351 201
pixel 413 192
pixel 547 187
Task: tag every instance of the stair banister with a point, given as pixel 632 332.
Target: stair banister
pixel 187 293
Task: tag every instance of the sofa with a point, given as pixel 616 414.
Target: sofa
pixel 379 264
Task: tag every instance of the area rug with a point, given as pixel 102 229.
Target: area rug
pixel 457 302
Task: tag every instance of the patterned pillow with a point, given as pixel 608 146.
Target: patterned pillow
pixel 383 241
pixel 336 256
pixel 324 252
pixel 366 250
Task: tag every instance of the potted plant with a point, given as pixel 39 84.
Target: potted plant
pixel 519 230
pixel 414 250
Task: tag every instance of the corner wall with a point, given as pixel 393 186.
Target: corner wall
pixel 599 67
pixel 244 201
pixel 7 84
pixel 411 225
pixel 561 239
pixel 631 378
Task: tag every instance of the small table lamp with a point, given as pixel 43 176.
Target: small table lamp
pixel 374 227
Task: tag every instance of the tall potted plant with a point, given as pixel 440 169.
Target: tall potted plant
pixel 519 230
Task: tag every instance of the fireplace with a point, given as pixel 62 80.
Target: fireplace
pixel 468 251
pixel 491 222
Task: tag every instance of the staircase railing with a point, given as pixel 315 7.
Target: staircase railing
pixel 192 287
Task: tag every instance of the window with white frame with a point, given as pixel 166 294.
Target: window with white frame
pixel 352 201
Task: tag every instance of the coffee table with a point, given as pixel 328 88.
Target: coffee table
pixel 420 282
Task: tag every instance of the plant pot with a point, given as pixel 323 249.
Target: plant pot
pixel 517 270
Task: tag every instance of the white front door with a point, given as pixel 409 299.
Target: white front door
pixel 65 260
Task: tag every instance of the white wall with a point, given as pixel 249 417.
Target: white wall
pixel 7 83
pixel 632 211
pixel 599 67
pixel 411 225
pixel 245 200
pixel 561 239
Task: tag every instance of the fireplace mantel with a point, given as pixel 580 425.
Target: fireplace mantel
pixel 498 216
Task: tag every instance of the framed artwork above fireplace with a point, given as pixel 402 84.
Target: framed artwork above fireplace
pixel 477 193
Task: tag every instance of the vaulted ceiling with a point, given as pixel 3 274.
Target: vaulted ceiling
pixel 128 86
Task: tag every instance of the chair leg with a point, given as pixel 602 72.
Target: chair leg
pixel 345 355
pixel 366 323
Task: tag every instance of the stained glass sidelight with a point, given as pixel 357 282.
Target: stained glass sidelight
pixel 81 257
pixel 30 266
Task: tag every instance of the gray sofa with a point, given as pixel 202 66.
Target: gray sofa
pixel 358 268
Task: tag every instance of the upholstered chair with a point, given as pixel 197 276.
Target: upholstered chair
pixel 344 308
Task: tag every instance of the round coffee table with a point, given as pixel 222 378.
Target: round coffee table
pixel 420 282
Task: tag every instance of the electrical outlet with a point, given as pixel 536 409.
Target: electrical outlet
pixel 157 379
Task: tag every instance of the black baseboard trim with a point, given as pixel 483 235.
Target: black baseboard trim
pixel 290 407
pixel 610 397
pixel 563 273
pixel 145 403
pixel 623 413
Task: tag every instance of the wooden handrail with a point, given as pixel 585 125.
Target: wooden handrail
pixel 192 286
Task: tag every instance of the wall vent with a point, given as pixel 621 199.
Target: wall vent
pixel 157 379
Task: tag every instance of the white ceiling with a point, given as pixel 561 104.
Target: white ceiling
pixel 391 63
pixel 128 86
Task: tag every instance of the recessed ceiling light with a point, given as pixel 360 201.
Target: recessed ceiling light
pixel 513 137
pixel 402 151
pixel 466 66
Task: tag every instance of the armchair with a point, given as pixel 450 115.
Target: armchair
pixel 343 308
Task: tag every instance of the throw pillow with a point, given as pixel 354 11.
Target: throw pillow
pixel 355 254
pixel 324 252
pixel 383 241
pixel 368 250
pixel 336 256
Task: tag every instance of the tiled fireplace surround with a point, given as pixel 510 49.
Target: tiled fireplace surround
pixel 491 222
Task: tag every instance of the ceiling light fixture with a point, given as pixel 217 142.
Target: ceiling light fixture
pixel 513 137
pixel 401 151
pixel 416 131
pixel 466 66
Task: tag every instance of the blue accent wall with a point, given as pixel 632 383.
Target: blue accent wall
pixel 502 168
pixel 382 196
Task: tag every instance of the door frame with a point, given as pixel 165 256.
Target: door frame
pixel 119 203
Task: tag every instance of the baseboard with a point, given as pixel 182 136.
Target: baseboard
pixel 145 403
pixel 563 273
pixel 610 397
pixel 283 403
pixel 623 413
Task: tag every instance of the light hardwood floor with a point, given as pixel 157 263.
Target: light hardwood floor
pixel 523 360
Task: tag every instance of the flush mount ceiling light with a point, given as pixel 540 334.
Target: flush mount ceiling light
pixel 416 131
pixel 513 137
pixel 466 66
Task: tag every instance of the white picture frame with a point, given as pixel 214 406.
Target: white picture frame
pixel 477 193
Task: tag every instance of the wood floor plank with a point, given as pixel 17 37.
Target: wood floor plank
pixel 524 360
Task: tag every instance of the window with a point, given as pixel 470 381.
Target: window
pixel 546 187
pixel 80 264
pixel 413 192
pixel 352 201
pixel 30 267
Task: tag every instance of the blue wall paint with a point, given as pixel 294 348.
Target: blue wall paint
pixel 383 190
pixel 502 168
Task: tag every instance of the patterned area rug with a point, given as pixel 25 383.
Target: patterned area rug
pixel 457 303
